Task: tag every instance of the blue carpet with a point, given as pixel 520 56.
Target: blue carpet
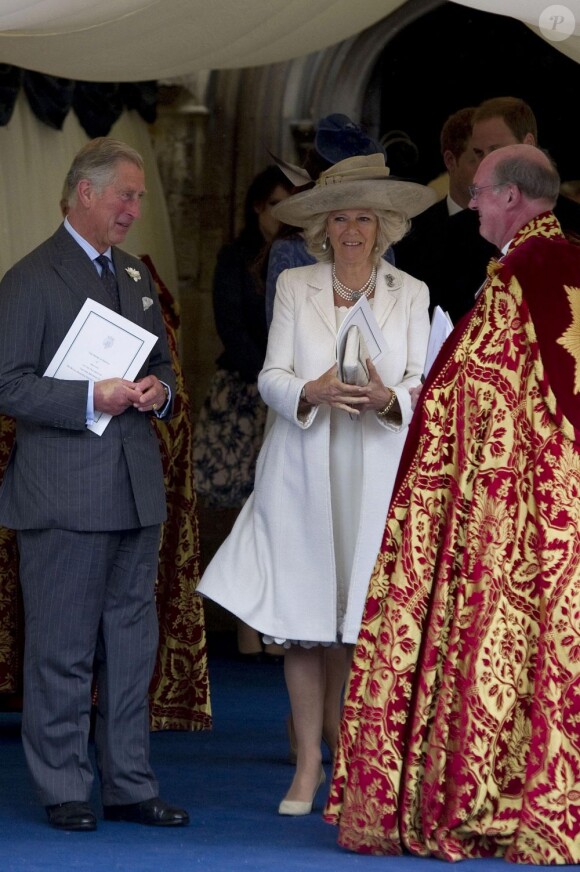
pixel 231 781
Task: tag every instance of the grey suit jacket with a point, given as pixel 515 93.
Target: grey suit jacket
pixel 60 474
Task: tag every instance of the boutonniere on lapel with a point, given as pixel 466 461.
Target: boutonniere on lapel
pixel 147 303
pixel 133 273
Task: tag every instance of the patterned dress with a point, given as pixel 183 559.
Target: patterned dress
pixel 460 735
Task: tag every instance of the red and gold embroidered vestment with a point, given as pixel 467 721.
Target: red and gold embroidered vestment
pixel 461 729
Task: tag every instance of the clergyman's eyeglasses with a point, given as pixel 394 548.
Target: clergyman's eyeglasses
pixel 475 190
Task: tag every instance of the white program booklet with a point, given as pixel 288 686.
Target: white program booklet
pixel 101 344
pixel 362 316
pixel 441 328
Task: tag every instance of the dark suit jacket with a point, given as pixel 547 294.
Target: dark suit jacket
pixel 567 212
pixel 448 254
pixel 61 474
pixel 239 310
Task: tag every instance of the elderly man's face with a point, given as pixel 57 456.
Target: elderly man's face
pixel 112 211
pixel 489 200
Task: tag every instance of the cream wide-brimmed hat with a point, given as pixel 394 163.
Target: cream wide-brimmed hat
pixel 360 182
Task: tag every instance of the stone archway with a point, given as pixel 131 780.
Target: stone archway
pixel 214 134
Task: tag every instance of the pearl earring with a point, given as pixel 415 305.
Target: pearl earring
pixel 324 245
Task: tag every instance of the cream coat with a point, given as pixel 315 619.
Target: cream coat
pixel 276 569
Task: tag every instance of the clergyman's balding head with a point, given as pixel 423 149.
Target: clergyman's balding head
pixel 512 185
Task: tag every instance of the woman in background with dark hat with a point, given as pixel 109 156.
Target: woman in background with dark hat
pixel 297 563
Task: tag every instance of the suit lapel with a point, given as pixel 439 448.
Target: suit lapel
pixel 136 290
pixel 131 303
pixel 76 269
pixel 320 281
pixel 387 292
pixel 80 275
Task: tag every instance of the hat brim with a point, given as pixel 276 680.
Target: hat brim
pixel 410 198
pixel 297 175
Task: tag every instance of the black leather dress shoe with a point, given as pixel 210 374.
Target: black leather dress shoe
pixel 152 812
pixel 71 816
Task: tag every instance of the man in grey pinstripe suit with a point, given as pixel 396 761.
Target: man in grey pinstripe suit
pixel 87 509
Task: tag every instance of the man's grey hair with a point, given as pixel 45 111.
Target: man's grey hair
pixel 536 179
pixel 97 161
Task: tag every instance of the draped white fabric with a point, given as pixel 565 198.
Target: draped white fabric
pixel 132 40
pixel 35 160
pixel 550 20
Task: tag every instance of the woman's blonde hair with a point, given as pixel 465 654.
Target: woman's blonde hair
pixel 391 227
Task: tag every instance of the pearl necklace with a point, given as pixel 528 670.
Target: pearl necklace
pixel 347 293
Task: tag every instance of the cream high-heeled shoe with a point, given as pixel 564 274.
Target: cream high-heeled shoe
pixel 296 807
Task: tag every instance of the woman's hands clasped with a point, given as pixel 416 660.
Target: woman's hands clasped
pixel 328 390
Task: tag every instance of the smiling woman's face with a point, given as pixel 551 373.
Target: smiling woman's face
pixel 352 234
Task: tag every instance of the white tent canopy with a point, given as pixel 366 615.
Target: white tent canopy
pixel 137 40
pixel 133 40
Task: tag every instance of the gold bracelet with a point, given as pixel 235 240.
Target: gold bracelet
pixel 382 413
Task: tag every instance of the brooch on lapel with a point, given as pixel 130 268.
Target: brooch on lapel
pixel 133 273
pixel 147 303
pixel 390 280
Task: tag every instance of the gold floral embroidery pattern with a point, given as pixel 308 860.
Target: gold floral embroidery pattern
pixel 571 338
pixel 461 729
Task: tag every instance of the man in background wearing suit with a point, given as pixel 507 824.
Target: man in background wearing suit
pixel 502 121
pixel 444 248
pixel 87 508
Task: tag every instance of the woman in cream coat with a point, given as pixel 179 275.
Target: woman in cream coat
pixel 297 563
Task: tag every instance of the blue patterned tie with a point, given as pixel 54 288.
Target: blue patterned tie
pixel 109 281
